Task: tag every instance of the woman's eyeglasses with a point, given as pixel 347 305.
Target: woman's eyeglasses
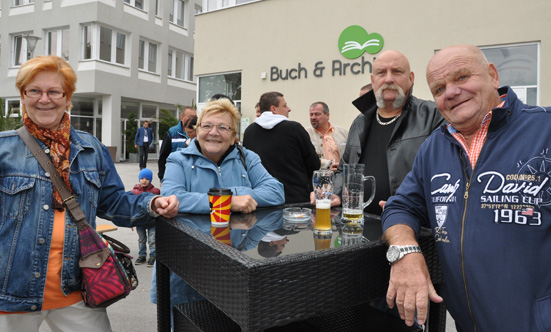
pixel 222 128
pixel 52 94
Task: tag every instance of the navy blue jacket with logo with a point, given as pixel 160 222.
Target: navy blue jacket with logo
pixel 491 224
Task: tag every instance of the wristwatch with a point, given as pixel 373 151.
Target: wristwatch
pixel 394 253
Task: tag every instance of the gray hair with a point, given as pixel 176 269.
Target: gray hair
pixel 324 105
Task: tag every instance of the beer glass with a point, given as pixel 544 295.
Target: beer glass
pixel 351 234
pixel 322 241
pixel 323 190
pixel 353 192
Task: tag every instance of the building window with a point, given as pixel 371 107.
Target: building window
pixel 99 42
pixel 136 3
pixel 57 43
pixel 19 50
pixel 147 57
pixel 86 115
pixel 12 107
pixel 180 65
pixel 22 2
pixel 177 12
pixel 227 84
pixel 157 7
pixel 517 66
pixel 86 42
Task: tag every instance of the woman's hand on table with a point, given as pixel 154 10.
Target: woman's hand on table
pixel 166 206
pixel 244 204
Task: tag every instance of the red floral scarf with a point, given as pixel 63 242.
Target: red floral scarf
pixel 59 144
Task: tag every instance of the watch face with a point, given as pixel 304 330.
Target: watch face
pixel 392 254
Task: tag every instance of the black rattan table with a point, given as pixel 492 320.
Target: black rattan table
pixel 301 283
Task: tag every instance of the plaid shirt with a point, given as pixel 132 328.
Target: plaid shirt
pixel 478 141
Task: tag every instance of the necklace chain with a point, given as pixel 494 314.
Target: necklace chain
pixel 386 123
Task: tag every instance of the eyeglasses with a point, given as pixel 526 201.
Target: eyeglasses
pixel 52 94
pixel 222 128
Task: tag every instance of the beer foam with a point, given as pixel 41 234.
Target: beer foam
pixel 323 204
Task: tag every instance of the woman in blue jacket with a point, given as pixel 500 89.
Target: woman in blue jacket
pixel 214 160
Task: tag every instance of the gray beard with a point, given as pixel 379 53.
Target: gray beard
pixel 397 103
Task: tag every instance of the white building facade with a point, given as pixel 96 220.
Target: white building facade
pixel 130 56
pixel 322 50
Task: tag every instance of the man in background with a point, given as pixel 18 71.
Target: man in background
pixel 175 138
pixel 284 147
pixel 329 140
pixel 257 109
pixel 390 130
pixel 142 140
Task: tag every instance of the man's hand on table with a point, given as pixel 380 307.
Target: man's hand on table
pixel 335 200
pixel 244 204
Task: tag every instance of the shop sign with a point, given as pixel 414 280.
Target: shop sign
pixel 353 43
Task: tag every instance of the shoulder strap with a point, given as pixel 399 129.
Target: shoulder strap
pixel 241 155
pixel 69 200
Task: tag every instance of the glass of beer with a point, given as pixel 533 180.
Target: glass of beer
pixel 353 192
pixel 322 181
pixel 322 241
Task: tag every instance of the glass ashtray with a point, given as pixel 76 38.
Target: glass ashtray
pixel 297 214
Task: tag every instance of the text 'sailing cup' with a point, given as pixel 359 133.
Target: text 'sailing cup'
pixel 220 206
pixel 353 192
pixel 323 190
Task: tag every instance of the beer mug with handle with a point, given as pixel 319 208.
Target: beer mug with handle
pixel 353 204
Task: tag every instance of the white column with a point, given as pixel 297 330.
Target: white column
pixel 111 122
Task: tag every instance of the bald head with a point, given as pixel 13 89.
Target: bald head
pixel 464 86
pixel 392 80
pixel 455 53
pixel 391 55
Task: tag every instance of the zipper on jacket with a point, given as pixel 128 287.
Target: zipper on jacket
pixel 466 197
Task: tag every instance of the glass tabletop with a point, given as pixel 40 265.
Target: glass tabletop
pixel 267 233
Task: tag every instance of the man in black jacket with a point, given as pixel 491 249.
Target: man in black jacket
pixel 390 130
pixel 284 147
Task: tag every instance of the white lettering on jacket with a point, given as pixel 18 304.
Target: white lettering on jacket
pixel 495 183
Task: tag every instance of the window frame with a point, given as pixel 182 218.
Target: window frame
pixel 522 91
pixel 17 3
pixel 91 42
pixel 181 66
pixel 19 48
pixel 132 3
pixel 145 54
pixel 178 12
pixel 60 42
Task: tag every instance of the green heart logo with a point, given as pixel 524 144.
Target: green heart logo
pixel 354 41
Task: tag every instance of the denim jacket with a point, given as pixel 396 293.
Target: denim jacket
pixel 27 215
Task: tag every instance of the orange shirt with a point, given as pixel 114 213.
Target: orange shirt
pixel 478 141
pixel 53 296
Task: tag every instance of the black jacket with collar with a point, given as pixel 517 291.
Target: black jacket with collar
pixel 418 120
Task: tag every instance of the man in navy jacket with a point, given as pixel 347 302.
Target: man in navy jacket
pixel 483 186
pixel 143 138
